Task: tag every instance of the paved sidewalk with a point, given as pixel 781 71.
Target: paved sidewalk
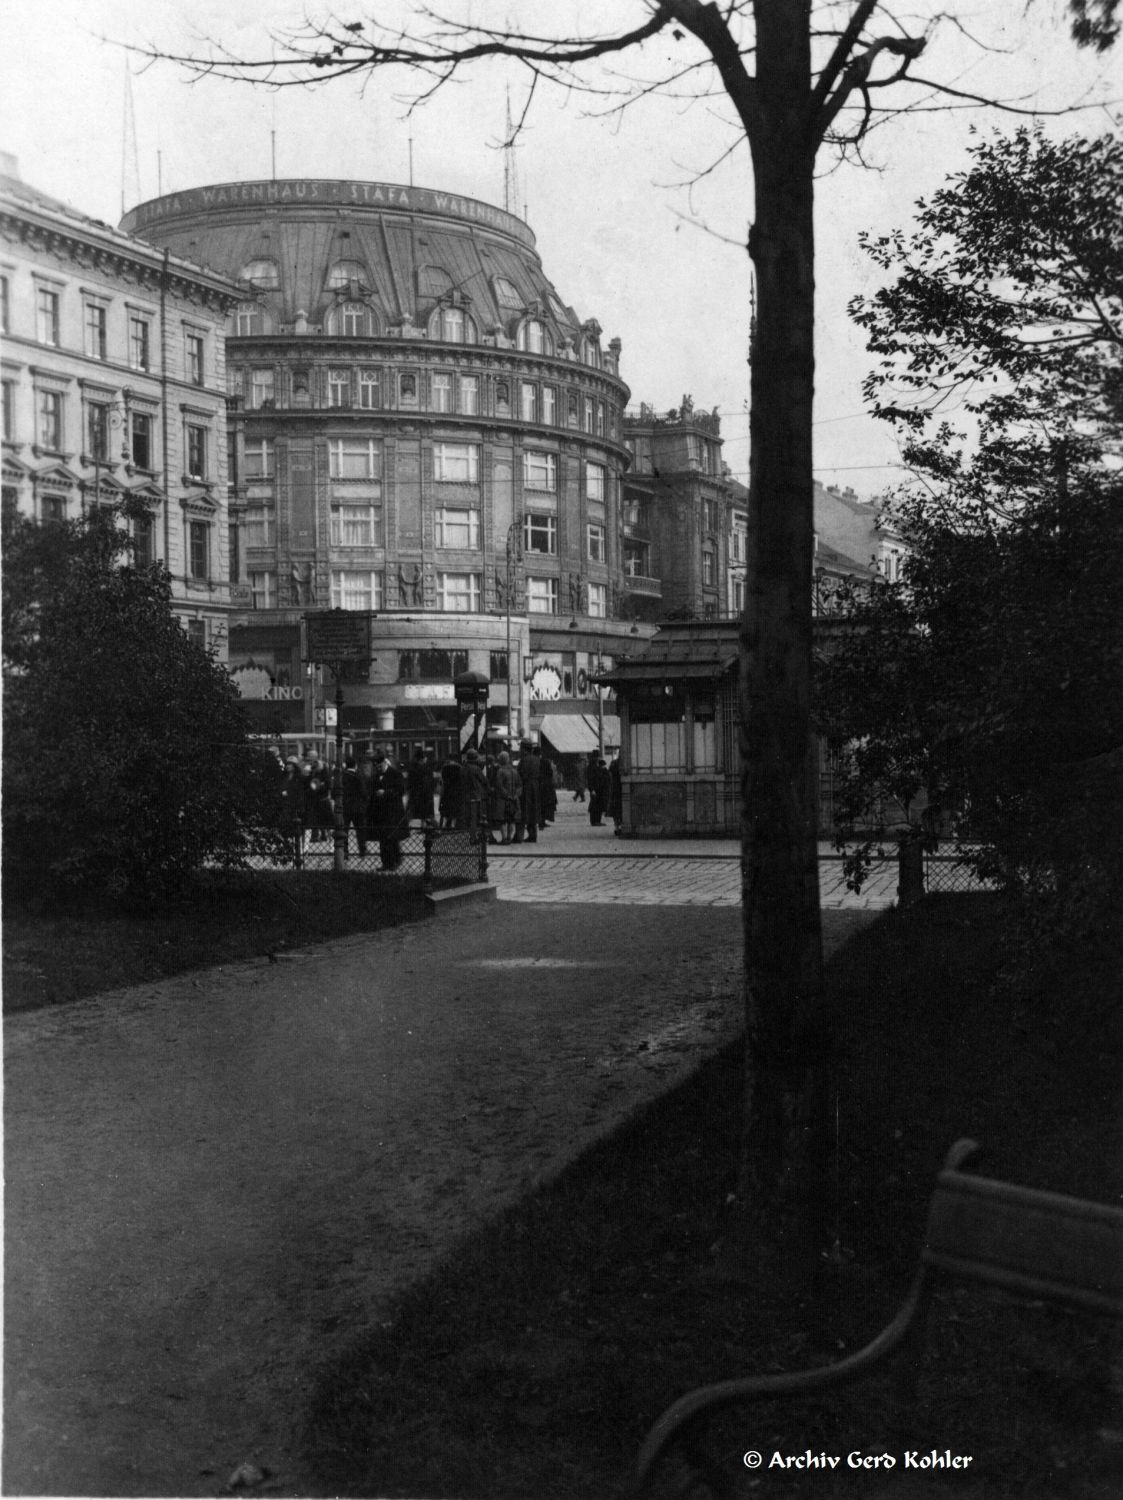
pixel 574 862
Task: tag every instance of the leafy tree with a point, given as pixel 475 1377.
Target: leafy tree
pixel 796 78
pixel 989 678
pixel 1006 300
pixel 126 760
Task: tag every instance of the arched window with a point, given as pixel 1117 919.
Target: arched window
pixel 452 325
pixel 535 337
pixel 343 272
pixel 590 353
pixel 262 273
pixel 248 319
pixel 351 320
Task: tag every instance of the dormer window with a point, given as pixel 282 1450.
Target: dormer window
pixel 262 274
pixel 507 293
pixel 350 320
pixel 345 273
pixel 534 337
pixel 452 325
pixel 248 320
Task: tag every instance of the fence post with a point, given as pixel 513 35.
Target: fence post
pixel 910 871
pixel 427 877
pixel 482 836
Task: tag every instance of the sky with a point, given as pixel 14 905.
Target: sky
pixel 627 229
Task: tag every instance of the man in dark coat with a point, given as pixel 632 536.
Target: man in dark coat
pixel 452 780
pixel 356 802
pixel 598 789
pixel 387 809
pixel 530 775
pixel 419 780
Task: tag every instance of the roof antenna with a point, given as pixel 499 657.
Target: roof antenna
pixel 130 166
pixel 273 141
pixel 510 165
pixel 411 158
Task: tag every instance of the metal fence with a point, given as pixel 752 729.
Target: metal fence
pixel 438 856
pixel 946 874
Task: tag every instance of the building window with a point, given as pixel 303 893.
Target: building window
pixel 635 560
pixel 5 305
pixel 258 525
pixel 738 595
pixel 48 316
pixel 534 337
pixel 144 542
pixel 198 549
pixel 600 419
pixel 351 320
pixel 506 293
pixel 549 405
pixel 368 388
pixel 502 398
pixel 451 325
pixel 352 458
pixel 259 459
pixel 598 600
pixel 540 470
pixel 352 590
pixel 456 463
pixel 261 273
pixel 97 421
pixel 708 568
pixel 497 666
pixel 196 631
pixel 356 523
pixel 50 420
pixel 738 549
pixel 52 508
pixel 140 440
pixel 339 387
pixel 9 411
pixel 540 534
pixel 572 410
pixel 528 401
pixel 542 596
pixel 249 319
pixel 432 665
pixel 458 593
pixel 588 414
pixel 469 395
pixel 708 514
pixel 196 359
pixel 196 451
pixel 96 321
pixel 441 393
pixel 595 481
pixel 458 528
pixel 140 342
pixel 595 535
pixel 261 388
pixel 263 590
pixel 344 272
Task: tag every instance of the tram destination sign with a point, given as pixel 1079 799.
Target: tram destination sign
pixel 338 635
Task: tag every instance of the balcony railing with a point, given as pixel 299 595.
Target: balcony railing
pixel 639 583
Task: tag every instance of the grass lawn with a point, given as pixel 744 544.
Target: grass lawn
pixel 534 1361
pixel 53 956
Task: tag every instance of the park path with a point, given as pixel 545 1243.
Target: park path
pixel 216 1181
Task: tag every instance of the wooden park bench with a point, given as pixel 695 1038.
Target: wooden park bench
pixel 1044 1246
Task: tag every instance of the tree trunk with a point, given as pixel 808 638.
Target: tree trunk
pixel 783 940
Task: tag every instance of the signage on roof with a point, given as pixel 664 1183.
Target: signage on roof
pixel 325 192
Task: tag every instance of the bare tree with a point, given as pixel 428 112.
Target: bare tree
pixel 798 78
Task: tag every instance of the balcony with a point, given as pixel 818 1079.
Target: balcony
pixel 639 583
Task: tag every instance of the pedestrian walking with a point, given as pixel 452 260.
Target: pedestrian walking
pixel 419 785
pixel 292 808
pixel 507 793
pixel 451 793
pixel 387 810
pixel 549 792
pixel 581 781
pixel 530 777
pixel 599 788
pixel 321 813
pixel 474 792
pixel 356 806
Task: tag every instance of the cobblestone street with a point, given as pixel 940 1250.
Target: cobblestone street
pixel 574 862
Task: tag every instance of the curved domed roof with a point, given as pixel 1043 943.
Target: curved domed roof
pixel 301 244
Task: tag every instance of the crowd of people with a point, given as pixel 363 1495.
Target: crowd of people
pixel 511 792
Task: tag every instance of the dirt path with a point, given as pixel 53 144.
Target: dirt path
pixel 214 1182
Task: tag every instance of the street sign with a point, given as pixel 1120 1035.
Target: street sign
pixel 338 635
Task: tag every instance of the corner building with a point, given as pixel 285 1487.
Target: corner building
pixel 421 428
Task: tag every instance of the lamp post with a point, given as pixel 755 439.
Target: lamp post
pixel 514 556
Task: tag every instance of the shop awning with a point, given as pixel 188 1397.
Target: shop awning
pixel 576 734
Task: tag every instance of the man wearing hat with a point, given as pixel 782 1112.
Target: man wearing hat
pixel 530 774
pixel 387 808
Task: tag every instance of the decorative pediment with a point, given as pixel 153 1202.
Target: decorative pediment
pixel 56 477
pixel 200 504
pixel 104 486
pixel 15 468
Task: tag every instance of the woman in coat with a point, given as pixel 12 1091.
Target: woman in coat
pixel 387 810
pixel 507 794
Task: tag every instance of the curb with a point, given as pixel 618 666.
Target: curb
pixel 448 901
